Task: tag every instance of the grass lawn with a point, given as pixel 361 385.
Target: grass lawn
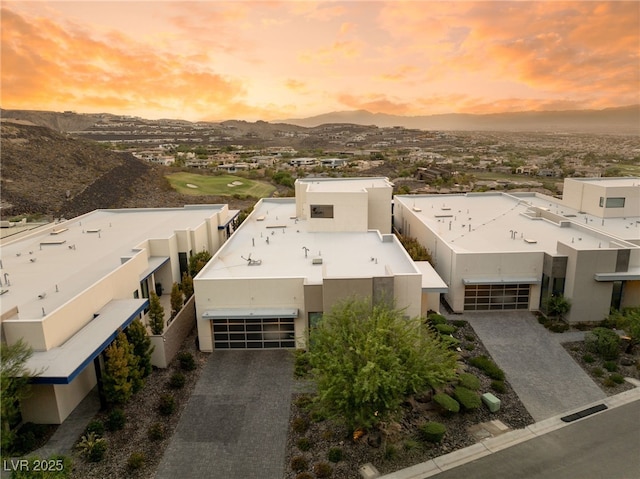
pixel 218 185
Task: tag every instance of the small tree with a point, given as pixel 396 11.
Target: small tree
pixel 629 321
pixel 14 379
pixel 122 376
pixel 367 359
pixel 415 249
pixel 177 300
pixel 142 348
pixel 197 262
pixel 156 314
pixel 557 306
pixel 187 286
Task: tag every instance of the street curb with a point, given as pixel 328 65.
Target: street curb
pixel 504 441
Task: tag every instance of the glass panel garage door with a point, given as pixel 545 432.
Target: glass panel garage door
pixel 492 297
pixel 253 333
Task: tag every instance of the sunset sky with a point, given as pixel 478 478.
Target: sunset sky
pixel 216 60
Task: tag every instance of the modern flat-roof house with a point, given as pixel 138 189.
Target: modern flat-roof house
pixel 502 251
pixel 68 287
pixel 292 259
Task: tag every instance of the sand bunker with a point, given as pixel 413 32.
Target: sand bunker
pixel 189 185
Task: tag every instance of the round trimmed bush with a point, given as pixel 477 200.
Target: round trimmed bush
pixel 304 444
pixel 498 386
pixel 322 469
pixel 433 431
pixel 617 378
pixel 156 432
pixel 96 426
pixel 116 420
pixel 299 463
pixel 448 405
pixel 187 362
pixel 335 454
pixel 467 398
pixel 610 366
pixel 597 372
pixel 487 366
pixel 445 328
pixel 588 358
pixel 135 461
pixel 435 318
pixel 604 342
pixel 300 425
pixel 177 380
pixel 167 405
pixel 469 381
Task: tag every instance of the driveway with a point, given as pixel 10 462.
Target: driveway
pixel 235 423
pixel 545 377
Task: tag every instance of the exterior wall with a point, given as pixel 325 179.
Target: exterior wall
pixel 338 289
pixel 247 293
pixel 41 406
pixel 167 248
pixel 70 395
pixel 350 211
pixel 430 301
pixel 408 293
pixel 379 206
pixel 631 295
pixel 167 345
pixel 585 196
pixel 590 299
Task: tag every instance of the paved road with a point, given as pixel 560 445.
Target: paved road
pixel 602 446
pixel 235 424
pixel 546 378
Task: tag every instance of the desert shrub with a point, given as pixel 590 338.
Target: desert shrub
pixel 498 386
pixel 390 452
pixel 327 434
pixel 335 454
pixel 469 346
pixel 469 381
pixel 322 469
pixel 588 358
pixel 156 432
pixel 299 463
pixel 435 319
pixel 459 323
pixel 467 398
pixel 116 420
pixel 450 341
pixel 447 404
pixel 187 361
pixel 304 444
pixel 177 380
pixel 167 405
pixel 300 425
pixel 135 461
pixel 410 445
pixel 92 447
pixel 617 378
pixel 305 475
pixel 469 337
pixel 604 342
pixel 445 328
pixel 96 426
pixel 487 366
pixel 303 401
pixel 610 366
pixel 609 383
pixel 432 431
pixel 597 372
pixel 301 365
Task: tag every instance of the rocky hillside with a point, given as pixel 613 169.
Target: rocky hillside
pixel 45 172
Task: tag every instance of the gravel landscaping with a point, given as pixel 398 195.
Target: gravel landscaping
pixel 313 440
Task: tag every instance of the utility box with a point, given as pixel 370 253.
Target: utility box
pixel 492 402
pixel 368 471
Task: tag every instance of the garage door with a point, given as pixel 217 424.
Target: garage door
pixel 253 333
pixel 495 297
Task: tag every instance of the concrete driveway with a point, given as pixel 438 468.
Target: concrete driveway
pixel 545 377
pixel 235 423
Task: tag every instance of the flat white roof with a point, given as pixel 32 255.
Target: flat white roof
pixel 46 270
pixel 345 184
pixel 495 222
pixel 609 182
pixel 278 242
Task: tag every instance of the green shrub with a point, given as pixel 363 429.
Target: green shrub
pixel 301 364
pixel 390 452
pixel 300 425
pixel 305 475
pixel 498 386
pixel 435 319
pixel 304 444
pixel 459 323
pixel 177 380
pixel 447 404
pixel 93 448
pixel 469 337
pixel 335 454
pixel 617 378
pixel 433 431
pixel 303 401
pixel 299 463
pixel 597 372
pixel 588 358
pixel 135 461
pixel 557 326
pixel 469 381
pixel 604 342
pixel 469 346
pixel 610 366
pixel 187 361
pixel 116 420
pixel 467 398
pixel 167 405
pixel 487 366
pixel 327 434
pixel 156 432
pixel 96 426
pixel 322 470
pixel 608 382
pixel 445 328
pixel 450 341
pixel 410 445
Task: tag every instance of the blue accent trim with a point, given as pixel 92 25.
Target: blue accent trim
pixel 92 356
pixel 159 266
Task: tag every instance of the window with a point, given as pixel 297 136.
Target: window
pixel 322 211
pixel 611 202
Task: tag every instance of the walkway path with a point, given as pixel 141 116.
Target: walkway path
pixel 235 423
pixel 545 377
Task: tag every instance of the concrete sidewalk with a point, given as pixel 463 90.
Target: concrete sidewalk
pixel 236 422
pixel 546 378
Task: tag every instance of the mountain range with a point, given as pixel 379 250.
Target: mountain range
pixel 610 120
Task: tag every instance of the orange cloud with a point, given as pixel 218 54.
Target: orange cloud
pixel 400 74
pixel 340 50
pixel 296 85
